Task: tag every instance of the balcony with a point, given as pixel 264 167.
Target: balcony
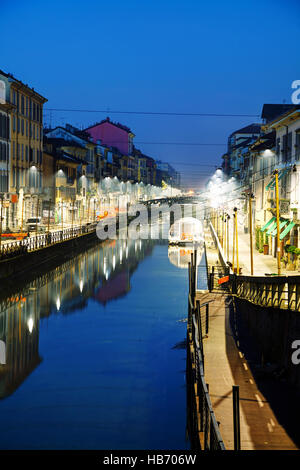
pixel 70 180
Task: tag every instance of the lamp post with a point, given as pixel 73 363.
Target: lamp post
pixel 277 221
pixel 72 217
pixel 250 232
pixel 236 241
pixel 227 219
pixel 37 215
pixel 48 230
pixel 233 240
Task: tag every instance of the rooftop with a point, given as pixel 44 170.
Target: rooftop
pixel 253 128
pixel 117 124
pixel 19 82
pixel 272 111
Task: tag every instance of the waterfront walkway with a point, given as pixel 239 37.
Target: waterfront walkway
pixel 262 264
pixel 225 365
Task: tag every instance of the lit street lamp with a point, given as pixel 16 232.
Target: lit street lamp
pixel 250 232
pixel 277 221
pixel 236 242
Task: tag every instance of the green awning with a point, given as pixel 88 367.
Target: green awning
pixel 287 230
pixel 271 184
pixel 267 224
pixel 283 222
pixel 272 227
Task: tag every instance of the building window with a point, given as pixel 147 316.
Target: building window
pixel 2 91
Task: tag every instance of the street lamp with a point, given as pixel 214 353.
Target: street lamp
pixel 277 221
pixel 236 242
pixel 251 196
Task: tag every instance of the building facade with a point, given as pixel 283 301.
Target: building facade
pixel 24 160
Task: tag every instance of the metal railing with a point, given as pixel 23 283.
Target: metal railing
pixel 277 291
pixel 202 424
pixel 266 291
pixel 38 242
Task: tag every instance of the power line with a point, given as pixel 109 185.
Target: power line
pixel 151 113
pixel 179 143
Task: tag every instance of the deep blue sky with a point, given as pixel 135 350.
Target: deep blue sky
pixel 169 56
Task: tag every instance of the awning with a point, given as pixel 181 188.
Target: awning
pixel 287 230
pixel 282 224
pixel 281 173
pixel 272 220
pixel 271 228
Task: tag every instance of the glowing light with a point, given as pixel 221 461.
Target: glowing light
pixel 30 324
pixel 268 153
pixel 81 285
pixel 58 303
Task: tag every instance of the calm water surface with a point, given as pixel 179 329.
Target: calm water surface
pixel 95 353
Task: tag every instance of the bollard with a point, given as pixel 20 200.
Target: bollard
pixel 236 417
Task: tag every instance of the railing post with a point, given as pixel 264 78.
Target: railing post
pixel 234 289
pixel 236 417
pixel 212 278
pixel 206 318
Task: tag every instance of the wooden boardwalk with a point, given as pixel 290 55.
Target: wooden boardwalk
pixel 226 366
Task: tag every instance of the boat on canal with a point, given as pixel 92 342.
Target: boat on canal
pixel 186 232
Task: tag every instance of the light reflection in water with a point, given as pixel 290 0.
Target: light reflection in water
pixel 98 277
pixel 99 273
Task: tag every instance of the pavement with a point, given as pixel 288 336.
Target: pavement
pixel 225 365
pixel 262 264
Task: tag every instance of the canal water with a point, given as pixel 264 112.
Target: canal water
pixel 93 353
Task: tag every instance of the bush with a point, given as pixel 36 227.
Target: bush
pixel 290 248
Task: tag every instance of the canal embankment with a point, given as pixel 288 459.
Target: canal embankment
pixel 28 258
pixel 227 363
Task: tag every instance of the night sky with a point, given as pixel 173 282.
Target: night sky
pixel 220 57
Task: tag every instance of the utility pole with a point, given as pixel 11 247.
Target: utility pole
pixel 224 232
pixel 233 240
pixel 236 242
pixel 22 214
pixel 277 222
pixel 37 214
pixel 228 218
pixel 48 230
pixel 72 216
pixel 250 232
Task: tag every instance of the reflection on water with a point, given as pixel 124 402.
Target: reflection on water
pixel 180 256
pixel 103 274
pixel 111 375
